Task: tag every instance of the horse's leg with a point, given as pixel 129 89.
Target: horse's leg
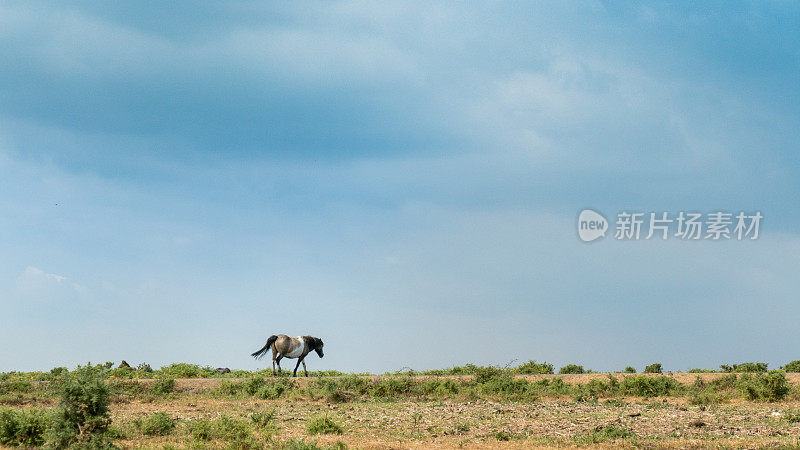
pixel 304 367
pixel 273 362
pixel 294 374
pixel 280 371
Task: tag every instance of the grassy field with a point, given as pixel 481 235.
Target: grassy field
pixel 491 408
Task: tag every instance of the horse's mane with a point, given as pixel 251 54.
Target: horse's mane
pixel 313 342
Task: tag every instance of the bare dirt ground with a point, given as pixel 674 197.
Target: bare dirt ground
pixel 451 423
pixel 652 423
pixel 481 424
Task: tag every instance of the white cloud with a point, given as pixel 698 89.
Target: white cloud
pixel 34 280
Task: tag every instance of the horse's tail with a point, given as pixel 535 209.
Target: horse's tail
pixel 265 349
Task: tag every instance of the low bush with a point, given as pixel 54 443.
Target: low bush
pixel 163 386
pixel 14 387
pixel 229 388
pixel 323 425
pixel 200 429
pixel 158 424
pixel 122 372
pixel 605 434
pixel 749 367
pixel 301 444
pixel 263 420
pixel 772 386
pixel 23 428
pixel 792 367
pixel 644 386
pixel 186 370
pixel 629 369
pixel 224 428
pixel 275 389
pixel 571 368
pixel 653 368
pixel 532 367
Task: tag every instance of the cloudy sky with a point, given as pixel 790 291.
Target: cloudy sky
pixel 178 181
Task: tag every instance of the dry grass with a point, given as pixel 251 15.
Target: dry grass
pixel 481 424
pixel 424 423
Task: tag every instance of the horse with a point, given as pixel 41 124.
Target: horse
pixel 283 346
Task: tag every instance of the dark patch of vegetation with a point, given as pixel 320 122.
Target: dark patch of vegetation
pixel 23 428
pixel 82 415
pixel 264 421
pixel 323 425
pixel 571 368
pixel 163 386
pixel 606 433
pixel 653 368
pixel 157 424
pixel 301 444
pixel 629 369
pixel 770 387
pixel 792 367
pixel 749 367
pixel 532 367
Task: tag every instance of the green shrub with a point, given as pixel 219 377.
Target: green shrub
pixel 644 386
pixel 724 382
pixel 163 386
pixel 556 387
pixel 253 385
pixel 792 416
pixel 275 389
pixel 772 386
pixel 792 367
pixel 23 428
pixel 605 434
pixel 504 435
pixel 15 387
pixel 571 368
pixel 263 420
pixel 490 373
pixel 123 372
pixel 629 369
pixel 393 386
pixel 229 388
pixel 653 368
pixel 706 397
pixel 82 416
pixel 158 424
pixel 56 372
pixel 185 370
pixel 532 367
pixel 323 425
pixel 750 367
pixel 126 387
pixel 301 444
pixel 229 428
pixel 200 429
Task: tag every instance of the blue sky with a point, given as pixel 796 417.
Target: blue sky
pixel 178 181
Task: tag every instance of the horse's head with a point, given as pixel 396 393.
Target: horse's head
pixel 316 344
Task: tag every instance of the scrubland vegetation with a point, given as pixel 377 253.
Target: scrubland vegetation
pixel 96 406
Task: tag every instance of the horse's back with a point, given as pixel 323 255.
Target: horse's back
pixel 289 347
